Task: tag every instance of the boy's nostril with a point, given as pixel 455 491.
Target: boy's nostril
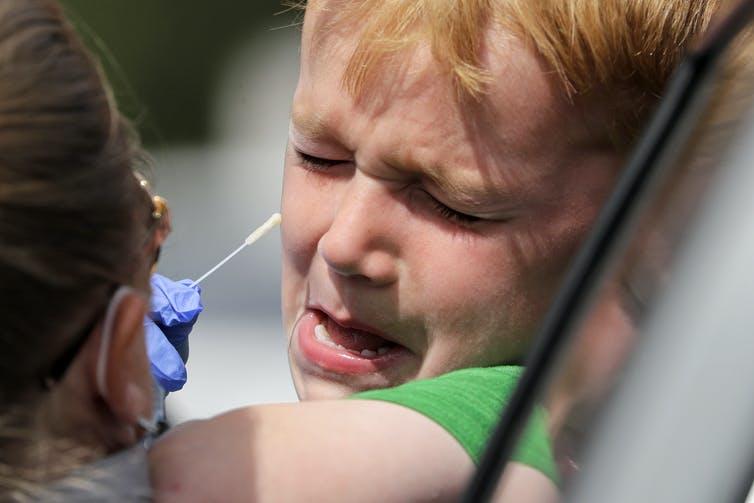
pixel 340 256
pixel 352 260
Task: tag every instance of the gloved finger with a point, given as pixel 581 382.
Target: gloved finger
pixel 175 306
pixel 174 302
pixel 166 364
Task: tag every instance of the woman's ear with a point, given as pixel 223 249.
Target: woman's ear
pixel 127 380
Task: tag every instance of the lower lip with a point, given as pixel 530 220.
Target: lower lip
pixel 337 360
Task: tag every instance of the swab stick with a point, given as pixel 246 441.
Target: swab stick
pixel 263 229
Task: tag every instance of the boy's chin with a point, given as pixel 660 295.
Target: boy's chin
pixel 314 387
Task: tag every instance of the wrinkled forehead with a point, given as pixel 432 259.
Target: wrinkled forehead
pixel 335 33
pixel 404 74
pixel 522 110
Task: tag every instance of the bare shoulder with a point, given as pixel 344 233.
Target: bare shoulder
pixel 327 450
pixel 521 483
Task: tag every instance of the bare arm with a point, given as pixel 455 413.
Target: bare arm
pixel 346 450
pixel 524 484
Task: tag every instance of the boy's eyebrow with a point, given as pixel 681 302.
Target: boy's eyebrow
pixel 468 193
pixel 310 124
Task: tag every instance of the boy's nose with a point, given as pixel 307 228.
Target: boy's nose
pixel 360 240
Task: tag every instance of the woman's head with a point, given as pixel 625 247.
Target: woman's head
pixel 74 221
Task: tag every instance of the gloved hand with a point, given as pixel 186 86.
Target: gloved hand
pixel 174 309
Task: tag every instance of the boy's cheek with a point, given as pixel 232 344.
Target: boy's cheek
pixel 302 224
pixel 298 241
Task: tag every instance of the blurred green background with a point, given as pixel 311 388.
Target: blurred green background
pixel 163 57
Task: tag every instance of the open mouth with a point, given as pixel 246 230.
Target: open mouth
pixel 345 350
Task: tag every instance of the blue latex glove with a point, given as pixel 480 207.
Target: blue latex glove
pixel 166 364
pixel 174 309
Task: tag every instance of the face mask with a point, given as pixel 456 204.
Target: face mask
pixel 150 424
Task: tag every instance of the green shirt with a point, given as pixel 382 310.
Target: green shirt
pixel 467 403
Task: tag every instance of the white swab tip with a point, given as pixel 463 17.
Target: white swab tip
pixel 275 219
pixel 263 229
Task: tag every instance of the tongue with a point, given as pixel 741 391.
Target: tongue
pixel 354 340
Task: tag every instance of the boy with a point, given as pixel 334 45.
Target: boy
pixel 446 158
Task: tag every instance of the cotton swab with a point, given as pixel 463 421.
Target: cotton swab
pixel 263 229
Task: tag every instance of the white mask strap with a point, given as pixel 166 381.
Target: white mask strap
pixel 107 331
pixel 149 425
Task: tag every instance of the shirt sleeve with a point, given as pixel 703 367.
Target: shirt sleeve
pixel 467 403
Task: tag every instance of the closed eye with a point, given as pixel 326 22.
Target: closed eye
pixel 453 215
pixel 319 165
pixel 313 163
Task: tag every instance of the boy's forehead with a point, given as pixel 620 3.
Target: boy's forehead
pixel 523 123
pixel 522 103
pixel 322 36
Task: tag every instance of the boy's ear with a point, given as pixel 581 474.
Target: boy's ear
pixel 128 382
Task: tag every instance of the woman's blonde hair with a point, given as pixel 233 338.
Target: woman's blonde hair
pixel 622 50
